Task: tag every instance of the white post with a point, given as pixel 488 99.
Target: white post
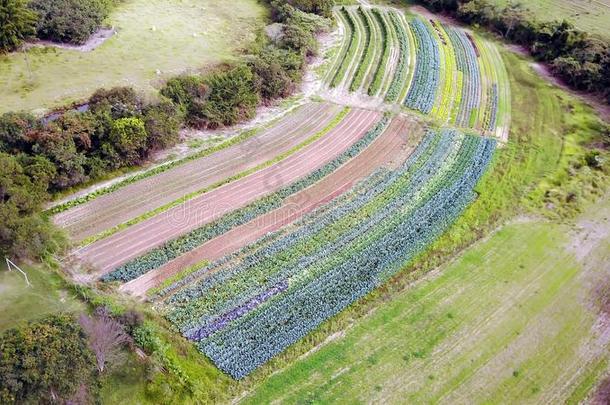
pixel 11 264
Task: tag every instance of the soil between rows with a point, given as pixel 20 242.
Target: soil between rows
pixel 107 254
pixel 148 194
pixel 393 146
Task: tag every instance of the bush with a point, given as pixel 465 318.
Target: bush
pixel 163 122
pixel 44 362
pixel 232 97
pixel 17 23
pixel 13 132
pixel 128 135
pixel 70 21
pixel 277 72
pixel 120 102
pixel 188 92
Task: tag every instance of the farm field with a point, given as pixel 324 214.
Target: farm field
pixel 389 149
pixel 427 66
pixel 307 260
pixel 153 35
pixel 109 253
pixel 512 320
pixel 107 211
pixel 588 15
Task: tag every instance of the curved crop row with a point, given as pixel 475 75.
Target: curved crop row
pixel 422 94
pixel 386 43
pixel 433 68
pixel 369 50
pixel 352 49
pixel 402 67
pixel 263 298
pixel 174 248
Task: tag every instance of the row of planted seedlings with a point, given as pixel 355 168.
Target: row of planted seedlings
pixel 468 69
pixel 385 37
pixel 449 92
pixel 248 307
pixel 170 250
pixel 369 49
pixel 438 70
pixel 345 69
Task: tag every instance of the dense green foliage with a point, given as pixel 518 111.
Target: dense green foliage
pixel 116 128
pixel 23 188
pixel 583 61
pixel 17 23
pixel 70 20
pixel 45 362
pixel 230 95
pixel 67 150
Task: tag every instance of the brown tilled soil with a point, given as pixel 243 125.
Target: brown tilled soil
pixel 109 253
pixel 393 146
pixel 148 194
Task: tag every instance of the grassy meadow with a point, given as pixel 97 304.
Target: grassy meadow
pixel 155 39
pixel 588 15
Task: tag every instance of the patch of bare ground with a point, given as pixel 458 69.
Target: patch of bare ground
pixel 94 41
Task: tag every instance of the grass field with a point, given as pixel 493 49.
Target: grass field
pixel 509 321
pixel 169 36
pixel 588 15
pixel 21 303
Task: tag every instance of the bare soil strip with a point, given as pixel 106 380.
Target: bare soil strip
pixel 394 145
pixel 148 194
pixel 107 254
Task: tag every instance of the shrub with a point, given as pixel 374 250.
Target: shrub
pixel 277 72
pixel 44 362
pixel 129 137
pixel 17 23
pixel 162 122
pixel 188 92
pixel 13 132
pixel 70 20
pixel 121 102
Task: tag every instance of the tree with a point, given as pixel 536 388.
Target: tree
pixel 17 23
pixel 128 136
pixel 162 122
pixel 70 20
pixel 106 336
pixel 44 361
pixel 232 97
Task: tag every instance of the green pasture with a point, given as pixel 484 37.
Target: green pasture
pixel 156 39
pixel 46 295
pixel 588 15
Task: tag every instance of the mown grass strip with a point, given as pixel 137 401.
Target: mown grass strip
pixel 150 214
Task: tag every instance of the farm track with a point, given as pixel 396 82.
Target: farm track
pixel 107 254
pixel 392 147
pixel 148 194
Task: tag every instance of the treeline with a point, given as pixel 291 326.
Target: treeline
pixel 69 21
pixel 116 128
pixel 579 59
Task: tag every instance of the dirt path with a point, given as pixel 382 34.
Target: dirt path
pixel 390 147
pixel 145 195
pixel 107 254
